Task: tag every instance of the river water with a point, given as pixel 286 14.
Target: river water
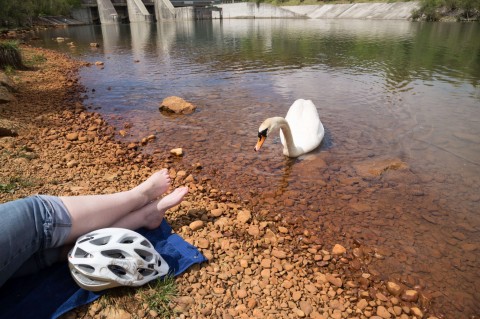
pixel 396 97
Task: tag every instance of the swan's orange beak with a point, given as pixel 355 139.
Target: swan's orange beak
pixel 261 140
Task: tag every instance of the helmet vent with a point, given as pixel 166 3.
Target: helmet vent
pixel 145 255
pixel 80 253
pixel 127 240
pixel 146 243
pixel 147 272
pixel 100 241
pixel 86 238
pixel 115 253
pixel 86 268
pixel 119 271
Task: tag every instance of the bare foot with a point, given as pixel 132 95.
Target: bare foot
pixel 154 219
pixel 172 199
pixel 157 184
pixel 151 215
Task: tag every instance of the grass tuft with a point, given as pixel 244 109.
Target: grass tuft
pixel 159 295
pixel 155 296
pixel 15 183
pixel 35 60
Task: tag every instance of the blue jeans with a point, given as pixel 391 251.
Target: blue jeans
pixel 30 231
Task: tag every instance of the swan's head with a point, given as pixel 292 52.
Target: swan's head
pixel 266 128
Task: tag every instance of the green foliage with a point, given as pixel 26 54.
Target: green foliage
pixel 36 59
pixel 20 13
pixel 10 55
pixel 157 295
pixel 470 7
pixel 9 70
pixel 431 10
pixel 14 184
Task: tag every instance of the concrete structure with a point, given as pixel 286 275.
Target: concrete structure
pixel 380 11
pixel 387 11
pixel 137 12
pixel 114 11
pixel 107 12
pixel 164 10
pixel 245 10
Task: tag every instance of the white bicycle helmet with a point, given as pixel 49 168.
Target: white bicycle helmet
pixel 112 257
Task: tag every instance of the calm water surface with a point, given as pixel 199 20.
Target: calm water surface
pixel 383 89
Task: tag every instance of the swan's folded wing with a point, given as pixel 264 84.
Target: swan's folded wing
pixel 307 129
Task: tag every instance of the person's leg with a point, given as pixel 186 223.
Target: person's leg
pixel 151 215
pixel 27 226
pixel 91 212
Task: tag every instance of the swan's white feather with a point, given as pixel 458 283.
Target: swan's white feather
pixel 305 125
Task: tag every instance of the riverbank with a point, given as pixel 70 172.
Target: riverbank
pixel 256 267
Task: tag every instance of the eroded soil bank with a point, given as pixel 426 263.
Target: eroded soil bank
pixel 257 268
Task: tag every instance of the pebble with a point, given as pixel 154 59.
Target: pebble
pixel 203 243
pixel 253 230
pixel 362 303
pixel 196 225
pixel 394 288
pixel 177 151
pixel 241 293
pixel 244 216
pixel 72 136
pixel 217 212
pixel 306 307
pixel 338 250
pixel 383 312
pixel 279 254
pixel 416 312
pixel 409 295
pixel 334 280
pixel 296 295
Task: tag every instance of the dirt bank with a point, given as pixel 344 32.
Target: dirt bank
pixel 256 268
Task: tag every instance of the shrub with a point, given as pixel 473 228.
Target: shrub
pixel 10 55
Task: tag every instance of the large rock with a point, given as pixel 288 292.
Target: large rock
pixel 7 82
pixel 175 104
pixel 5 95
pixel 8 128
pixel 378 166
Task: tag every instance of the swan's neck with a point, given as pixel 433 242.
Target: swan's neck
pixel 289 148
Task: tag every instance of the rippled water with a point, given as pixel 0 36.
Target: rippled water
pixel 384 90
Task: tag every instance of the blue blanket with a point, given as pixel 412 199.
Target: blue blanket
pixel 53 292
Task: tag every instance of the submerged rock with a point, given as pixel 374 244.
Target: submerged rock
pixel 177 151
pixel 177 105
pixel 377 166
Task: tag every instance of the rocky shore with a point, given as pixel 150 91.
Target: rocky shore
pixel 51 143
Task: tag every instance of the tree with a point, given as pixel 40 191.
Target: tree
pixel 18 13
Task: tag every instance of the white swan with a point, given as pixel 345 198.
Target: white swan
pixel 300 131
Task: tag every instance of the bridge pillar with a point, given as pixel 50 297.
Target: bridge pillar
pixel 164 10
pixel 107 13
pixel 137 12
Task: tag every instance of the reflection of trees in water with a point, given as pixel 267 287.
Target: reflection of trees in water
pixel 422 51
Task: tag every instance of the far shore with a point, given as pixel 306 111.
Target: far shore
pixel 408 10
